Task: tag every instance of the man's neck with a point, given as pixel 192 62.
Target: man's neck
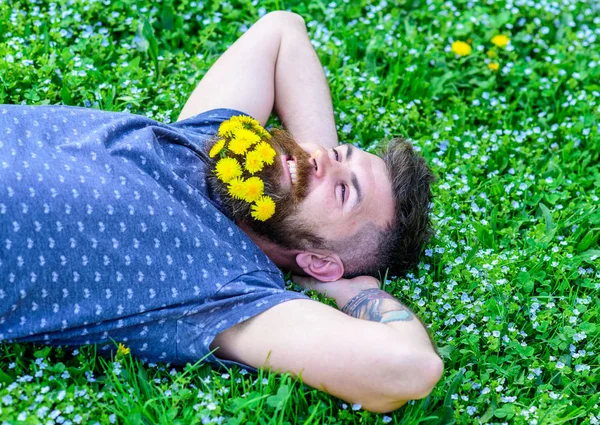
pixel 282 257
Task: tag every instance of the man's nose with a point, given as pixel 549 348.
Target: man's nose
pixel 322 162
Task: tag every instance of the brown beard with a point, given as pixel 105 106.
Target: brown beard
pixel 284 228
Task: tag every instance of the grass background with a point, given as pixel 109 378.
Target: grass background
pixel 510 284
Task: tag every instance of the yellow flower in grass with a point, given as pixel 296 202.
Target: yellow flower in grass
pixel 242 141
pixel 227 128
pixel 254 189
pixel 237 188
pixel 254 162
pixel 493 66
pixel 217 148
pixel 122 350
pixel 500 40
pixel 263 208
pixel 461 48
pixel 228 169
pixel 267 153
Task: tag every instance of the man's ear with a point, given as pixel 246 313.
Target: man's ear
pixel 323 267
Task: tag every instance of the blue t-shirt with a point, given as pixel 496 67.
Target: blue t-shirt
pixel 108 231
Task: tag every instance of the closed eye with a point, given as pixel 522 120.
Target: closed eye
pixel 337 155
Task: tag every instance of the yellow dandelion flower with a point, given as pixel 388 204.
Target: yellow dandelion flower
pixel 493 66
pixel 242 141
pixel 263 209
pixel 122 350
pixel 267 153
pixel 239 145
pixel 237 188
pixel 260 130
pixel 264 134
pixel 461 48
pixel 492 54
pixel 228 128
pixel 500 40
pixel 217 148
pixel 254 162
pixel 254 188
pixel 228 169
pixel 244 119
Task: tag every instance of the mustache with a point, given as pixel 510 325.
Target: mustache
pixel 284 144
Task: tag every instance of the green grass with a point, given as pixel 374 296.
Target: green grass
pixel 509 286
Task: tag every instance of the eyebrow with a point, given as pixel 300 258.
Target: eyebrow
pixel 349 152
pixel 357 188
pixel 353 178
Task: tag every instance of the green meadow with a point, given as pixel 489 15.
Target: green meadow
pixel 509 286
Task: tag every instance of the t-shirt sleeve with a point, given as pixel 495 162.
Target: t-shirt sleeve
pixel 238 301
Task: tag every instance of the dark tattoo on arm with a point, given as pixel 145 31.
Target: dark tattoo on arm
pixel 378 306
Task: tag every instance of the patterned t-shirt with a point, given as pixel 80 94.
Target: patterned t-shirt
pixel 109 233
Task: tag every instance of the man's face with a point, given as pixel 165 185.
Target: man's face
pixel 322 195
pixel 347 188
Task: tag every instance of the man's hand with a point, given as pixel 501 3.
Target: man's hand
pixel 342 290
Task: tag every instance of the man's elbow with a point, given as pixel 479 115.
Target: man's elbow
pixel 285 19
pixel 432 369
pixel 412 383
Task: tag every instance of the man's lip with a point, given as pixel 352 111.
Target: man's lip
pixel 287 176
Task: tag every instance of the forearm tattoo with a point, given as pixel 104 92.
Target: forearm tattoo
pixel 378 306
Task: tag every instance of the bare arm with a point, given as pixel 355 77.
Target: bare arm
pixel 359 361
pixel 362 298
pixel 272 66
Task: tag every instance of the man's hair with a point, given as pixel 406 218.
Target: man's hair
pixel 396 247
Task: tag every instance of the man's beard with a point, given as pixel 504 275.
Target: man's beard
pixel 284 228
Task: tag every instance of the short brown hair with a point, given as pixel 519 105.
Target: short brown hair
pixel 396 247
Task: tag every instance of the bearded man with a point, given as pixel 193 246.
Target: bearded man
pixel 116 228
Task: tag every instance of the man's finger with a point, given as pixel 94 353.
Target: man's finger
pixel 306 282
pixel 325 288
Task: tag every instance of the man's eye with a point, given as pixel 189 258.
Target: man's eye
pixel 337 156
pixel 343 193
